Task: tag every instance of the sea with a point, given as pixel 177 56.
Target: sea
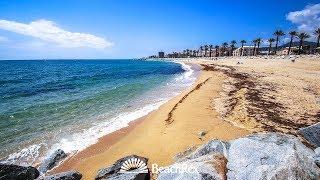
pixel 70 104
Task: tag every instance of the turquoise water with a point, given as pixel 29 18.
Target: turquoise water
pixel 46 105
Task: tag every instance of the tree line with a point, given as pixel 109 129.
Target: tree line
pixel 227 49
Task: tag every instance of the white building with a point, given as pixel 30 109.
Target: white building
pixel 285 50
pixel 245 51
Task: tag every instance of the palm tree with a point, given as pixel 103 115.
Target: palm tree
pixel 271 40
pixel 278 34
pixel 210 49
pixel 205 50
pixel 242 44
pixel 293 34
pixel 201 50
pixel 302 36
pixel 233 45
pixel 224 47
pixel 258 40
pixel 188 52
pixel 217 50
pixel 194 53
pixel 254 46
pixel 317 33
pixel 184 52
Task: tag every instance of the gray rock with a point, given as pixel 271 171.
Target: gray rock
pixel 270 156
pixel 130 176
pixel 181 155
pixel 70 175
pixel 201 134
pixel 113 172
pixel 202 168
pixel 317 156
pixel 312 134
pixel 213 146
pixel 52 160
pixel 15 172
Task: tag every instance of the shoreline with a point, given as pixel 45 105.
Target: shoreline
pixel 103 144
pixel 228 100
pixel 153 138
pixel 108 140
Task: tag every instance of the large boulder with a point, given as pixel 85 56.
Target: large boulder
pixel 271 156
pixel 52 160
pixel 129 176
pixel 205 167
pixel 312 134
pixel 212 147
pixel 15 172
pixel 131 167
pixel 70 175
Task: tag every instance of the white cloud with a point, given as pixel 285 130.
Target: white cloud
pixel 307 19
pixel 48 31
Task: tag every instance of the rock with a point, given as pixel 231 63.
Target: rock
pixel 201 134
pixel 270 156
pixel 52 160
pixel 130 176
pixel 312 134
pixel 213 146
pixel 185 153
pixel 15 172
pixel 119 171
pixel 70 175
pixel 205 167
pixel 317 156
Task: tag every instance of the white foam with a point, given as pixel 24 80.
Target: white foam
pixel 80 141
pixel 25 157
pixel 189 72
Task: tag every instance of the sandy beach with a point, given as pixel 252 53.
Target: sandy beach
pixel 160 90
pixel 230 99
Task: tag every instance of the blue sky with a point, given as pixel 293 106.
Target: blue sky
pixel 135 28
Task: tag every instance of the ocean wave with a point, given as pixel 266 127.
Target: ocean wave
pixel 189 74
pixel 80 141
pixel 26 156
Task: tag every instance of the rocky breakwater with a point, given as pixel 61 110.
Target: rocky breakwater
pixel 131 167
pixel 15 172
pixel 257 156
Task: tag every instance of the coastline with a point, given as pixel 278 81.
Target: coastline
pixel 152 137
pixel 106 141
pixel 231 98
pixel 103 144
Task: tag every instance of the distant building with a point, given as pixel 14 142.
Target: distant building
pixel 161 54
pixel 284 51
pixel 245 51
pixel 264 52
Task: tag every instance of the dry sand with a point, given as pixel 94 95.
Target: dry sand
pixel 229 100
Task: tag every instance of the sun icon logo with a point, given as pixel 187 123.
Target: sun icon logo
pixel 134 165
